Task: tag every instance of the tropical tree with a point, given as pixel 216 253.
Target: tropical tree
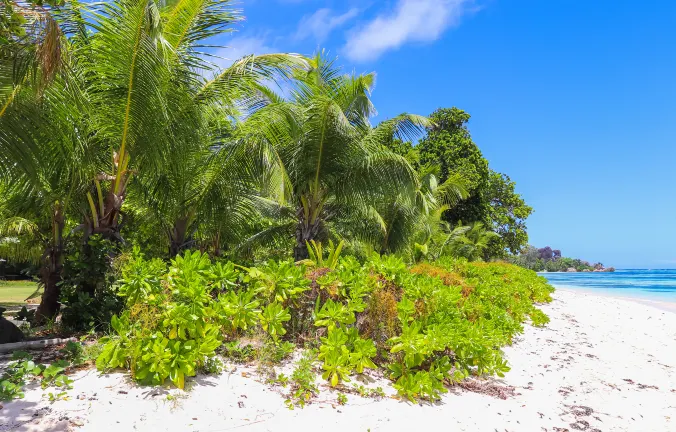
pixel 201 197
pixel 492 197
pixel 403 223
pixel 471 241
pixel 52 158
pixel 330 164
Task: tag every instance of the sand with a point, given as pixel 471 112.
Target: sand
pixel 602 364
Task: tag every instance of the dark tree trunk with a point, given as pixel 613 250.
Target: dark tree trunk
pixel 304 233
pixel 217 245
pixel 178 237
pixel 105 221
pixel 300 251
pixel 51 272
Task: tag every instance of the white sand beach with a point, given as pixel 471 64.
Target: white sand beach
pixel 602 364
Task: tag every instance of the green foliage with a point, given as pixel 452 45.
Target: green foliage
pixel 140 278
pixel 272 319
pixel 53 375
pixel 343 351
pixel 327 162
pixel 74 353
pixel 363 391
pixel 10 390
pixel 471 242
pixel 317 255
pixel 87 292
pixel 23 369
pixel 450 145
pixel 507 213
pixel 548 259
pixel 170 332
pixel 238 352
pixel 334 314
pixel 274 351
pixel 56 397
pixel 492 199
pixel 239 310
pixel 281 281
pixel 429 325
pixel 303 386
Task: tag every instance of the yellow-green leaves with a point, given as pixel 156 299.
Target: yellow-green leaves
pixel 272 319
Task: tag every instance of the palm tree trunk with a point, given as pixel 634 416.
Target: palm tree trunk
pixel 51 271
pixel 300 250
pixel 109 226
pixel 217 244
pixel 178 237
pixel 305 232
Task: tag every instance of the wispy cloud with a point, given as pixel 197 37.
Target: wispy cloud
pixel 410 21
pixel 321 23
pixel 240 46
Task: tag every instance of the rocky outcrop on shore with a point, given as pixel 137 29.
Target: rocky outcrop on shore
pixel 596 270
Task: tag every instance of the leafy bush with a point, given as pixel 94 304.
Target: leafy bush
pixel 74 353
pixel 169 328
pixel 87 291
pixel 428 326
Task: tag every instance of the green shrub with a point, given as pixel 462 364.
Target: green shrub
pixel 87 289
pixel 74 353
pixel 169 328
pixel 428 326
pixel 303 386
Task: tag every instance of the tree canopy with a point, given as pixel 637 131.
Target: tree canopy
pixel 492 201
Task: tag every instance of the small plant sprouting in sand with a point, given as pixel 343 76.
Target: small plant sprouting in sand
pixel 303 387
pixel 363 391
pixel 22 369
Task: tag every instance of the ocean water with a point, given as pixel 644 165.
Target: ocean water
pixel 658 285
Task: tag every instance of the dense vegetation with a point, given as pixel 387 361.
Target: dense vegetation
pixel 548 259
pixel 426 325
pixel 116 127
pixel 181 205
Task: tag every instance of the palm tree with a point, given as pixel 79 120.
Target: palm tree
pixel 404 223
pixel 44 185
pixel 330 164
pixel 471 241
pixel 130 87
pixel 200 196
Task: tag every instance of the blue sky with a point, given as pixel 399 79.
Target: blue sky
pixel 575 100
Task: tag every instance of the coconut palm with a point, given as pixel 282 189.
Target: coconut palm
pixel 470 241
pixel 51 164
pixel 199 197
pixel 330 163
pixel 396 223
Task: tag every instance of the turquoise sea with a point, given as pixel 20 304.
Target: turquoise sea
pixel 658 285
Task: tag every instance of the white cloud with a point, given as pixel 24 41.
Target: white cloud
pixel 410 21
pixel 240 46
pixel 321 23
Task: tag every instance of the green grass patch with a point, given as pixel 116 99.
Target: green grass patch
pixel 15 293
